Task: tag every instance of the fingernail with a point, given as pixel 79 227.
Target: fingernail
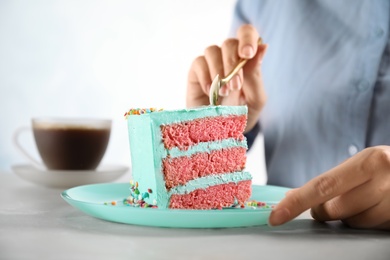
pixel 236 83
pixel 247 52
pixel 224 91
pixel 278 217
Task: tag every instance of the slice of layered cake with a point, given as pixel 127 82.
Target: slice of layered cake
pixel 190 158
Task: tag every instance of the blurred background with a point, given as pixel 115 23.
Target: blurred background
pixel 70 58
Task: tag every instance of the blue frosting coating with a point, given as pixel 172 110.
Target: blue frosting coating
pixel 147 150
pixel 201 147
pixel 211 180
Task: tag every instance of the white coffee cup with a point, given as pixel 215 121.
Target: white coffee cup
pixel 67 143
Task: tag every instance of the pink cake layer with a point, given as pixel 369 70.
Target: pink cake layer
pixel 186 134
pixel 214 197
pixel 180 170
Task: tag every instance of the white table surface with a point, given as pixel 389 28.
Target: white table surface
pixel 36 223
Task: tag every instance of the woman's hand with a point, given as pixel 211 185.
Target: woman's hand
pixel 356 192
pixel 246 88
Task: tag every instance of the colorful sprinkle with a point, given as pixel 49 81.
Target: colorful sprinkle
pixel 258 205
pixel 137 198
pixel 140 111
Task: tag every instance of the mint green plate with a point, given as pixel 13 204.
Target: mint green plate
pixel 91 200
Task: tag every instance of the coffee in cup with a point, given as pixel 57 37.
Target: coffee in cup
pixel 68 144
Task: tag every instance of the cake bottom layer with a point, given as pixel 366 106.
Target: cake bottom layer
pixel 214 197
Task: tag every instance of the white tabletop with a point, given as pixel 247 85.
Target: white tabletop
pixel 36 223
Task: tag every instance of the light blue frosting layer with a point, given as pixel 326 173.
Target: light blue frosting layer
pixel 202 147
pixel 211 180
pixel 147 149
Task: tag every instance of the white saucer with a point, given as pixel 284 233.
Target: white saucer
pixel 68 179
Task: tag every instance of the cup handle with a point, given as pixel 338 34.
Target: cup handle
pixel 16 142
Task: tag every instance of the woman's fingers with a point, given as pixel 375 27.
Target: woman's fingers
pixel 333 183
pixel 230 60
pixel 247 36
pixel 214 59
pixel 253 88
pixel 199 83
pixel 349 204
pixel 246 88
pixel 220 61
pixel 370 165
pixel 202 72
pixel 375 217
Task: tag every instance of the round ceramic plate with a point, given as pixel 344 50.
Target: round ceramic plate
pixel 95 200
pixel 68 179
